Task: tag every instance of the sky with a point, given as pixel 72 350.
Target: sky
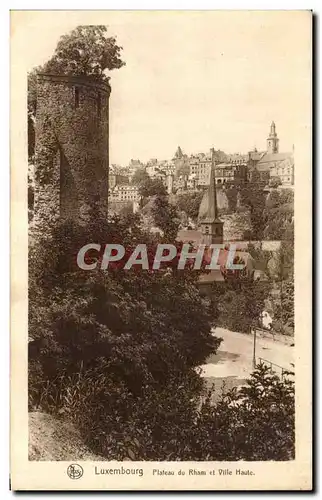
pixel 195 79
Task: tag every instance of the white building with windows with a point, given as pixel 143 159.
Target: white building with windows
pixel 125 192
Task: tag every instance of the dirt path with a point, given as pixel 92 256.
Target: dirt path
pixel 233 362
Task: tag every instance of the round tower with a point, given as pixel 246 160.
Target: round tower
pixel 71 161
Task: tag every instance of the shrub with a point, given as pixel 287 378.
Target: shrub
pixel 255 422
pixel 107 346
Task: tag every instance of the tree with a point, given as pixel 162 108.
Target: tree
pixel 151 187
pixel 239 304
pixel 165 217
pixel 260 256
pixel 127 209
pixel 256 422
pixel 281 268
pixel 87 51
pixel 275 182
pixel 253 197
pixel 190 203
pixel 232 196
pixel 31 192
pixel 108 346
pixel 278 215
pixel 140 176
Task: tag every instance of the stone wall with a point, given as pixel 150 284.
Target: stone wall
pixel 71 165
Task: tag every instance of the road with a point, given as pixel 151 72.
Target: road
pixel 233 362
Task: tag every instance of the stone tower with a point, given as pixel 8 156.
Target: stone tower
pixel 272 141
pixel 71 161
pixel 212 227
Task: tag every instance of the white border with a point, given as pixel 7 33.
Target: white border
pixel 4 198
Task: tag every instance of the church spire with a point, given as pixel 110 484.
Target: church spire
pixel 212 226
pixel 212 212
pixel 273 130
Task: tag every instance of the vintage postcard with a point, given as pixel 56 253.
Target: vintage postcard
pixel 161 191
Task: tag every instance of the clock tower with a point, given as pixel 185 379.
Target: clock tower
pixel 272 141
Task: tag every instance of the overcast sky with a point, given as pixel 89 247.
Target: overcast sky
pixel 194 79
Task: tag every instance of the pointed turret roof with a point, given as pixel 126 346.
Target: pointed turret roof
pixel 272 132
pixel 178 153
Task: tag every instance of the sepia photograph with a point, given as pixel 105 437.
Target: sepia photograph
pixel 165 168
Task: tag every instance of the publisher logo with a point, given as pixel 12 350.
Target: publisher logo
pixel 75 471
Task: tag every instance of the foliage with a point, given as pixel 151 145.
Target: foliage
pixel 260 256
pixel 190 203
pixel 255 422
pixel 232 196
pixel 32 106
pixel 140 176
pixel 152 187
pixel 31 192
pixel 127 209
pixel 278 215
pixel 283 308
pixel 253 197
pixel 32 95
pixel 126 336
pixel 281 269
pixel 282 263
pixel 272 216
pixel 239 304
pixel 274 182
pixel 86 50
pixel 117 353
pixel 166 217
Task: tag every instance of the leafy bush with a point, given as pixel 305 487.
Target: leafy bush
pixel 255 422
pixel 190 203
pixel 253 197
pixel 117 353
pixel 166 217
pixel 125 337
pixel 232 196
pixel 151 187
pixel 239 304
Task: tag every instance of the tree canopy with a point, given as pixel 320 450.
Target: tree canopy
pixel 140 176
pixel 152 187
pixel 190 203
pixel 87 51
